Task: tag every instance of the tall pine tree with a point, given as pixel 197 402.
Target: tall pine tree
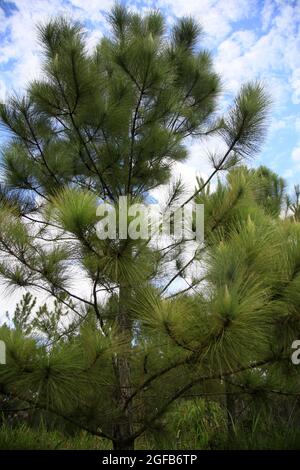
pixel 113 123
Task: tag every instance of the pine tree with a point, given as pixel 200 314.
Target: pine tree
pixel 113 123
pixel 271 190
pixel 293 203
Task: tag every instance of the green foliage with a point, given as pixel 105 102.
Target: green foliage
pixel 270 190
pixel 115 358
pixel 293 203
pixel 25 438
pixel 244 127
pixel 75 211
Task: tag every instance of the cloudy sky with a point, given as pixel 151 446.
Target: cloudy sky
pixel 249 39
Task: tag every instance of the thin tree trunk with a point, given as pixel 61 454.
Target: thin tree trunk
pixel 231 412
pixel 124 426
pixel 123 446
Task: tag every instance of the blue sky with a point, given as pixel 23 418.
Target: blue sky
pixel 250 39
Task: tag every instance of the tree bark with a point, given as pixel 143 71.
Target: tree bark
pixel 124 425
pixel 231 411
pixel 117 445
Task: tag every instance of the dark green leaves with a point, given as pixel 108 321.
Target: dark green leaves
pixel 186 33
pixel 245 125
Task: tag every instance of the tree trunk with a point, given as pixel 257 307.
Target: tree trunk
pixel 118 445
pixel 123 429
pixel 231 411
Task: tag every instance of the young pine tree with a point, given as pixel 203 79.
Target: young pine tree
pixel 112 123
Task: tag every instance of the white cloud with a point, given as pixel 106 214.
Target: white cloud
pixel 295 84
pixel 294 170
pixel 216 16
pixel 273 57
pixel 20 44
pixel 93 39
pixel 296 154
pixel 288 173
pixel 267 14
pixel 297 124
pixel 2 91
pixel 277 125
